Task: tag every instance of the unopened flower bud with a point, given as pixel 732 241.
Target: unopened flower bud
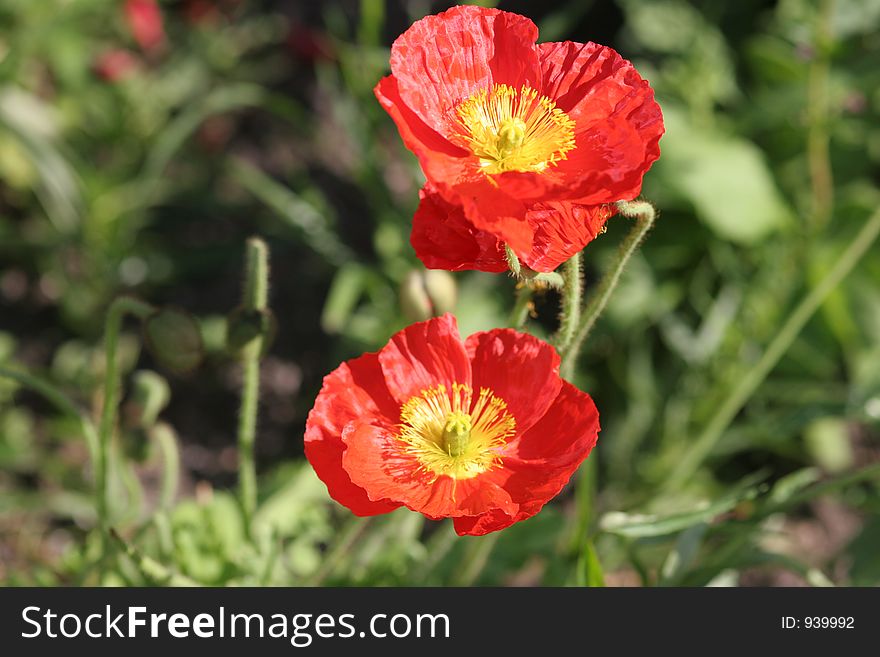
pixel 427 293
pixel 174 338
pixel 244 327
pixel 150 394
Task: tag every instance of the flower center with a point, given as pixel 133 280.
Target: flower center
pixel 514 130
pixel 451 433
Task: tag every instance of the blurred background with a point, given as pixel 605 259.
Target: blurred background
pixel 141 143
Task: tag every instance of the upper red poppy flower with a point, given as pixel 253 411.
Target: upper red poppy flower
pixel 482 431
pixel 504 127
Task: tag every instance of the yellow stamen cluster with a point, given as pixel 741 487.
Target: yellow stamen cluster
pixel 451 433
pixel 512 129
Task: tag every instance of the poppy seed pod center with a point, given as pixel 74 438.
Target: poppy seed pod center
pixel 450 433
pixel 512 129
pixel 457 433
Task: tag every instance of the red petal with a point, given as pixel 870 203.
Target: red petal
pixel 542 460
pixel 375 462
pixel 443 59
pixel 353 392
pixel 424 355
pixel 490 209
pixel 443 162
pixel 619 124
pixel 561 230
pixel 443 238
pixel 567 432
pixel 517 367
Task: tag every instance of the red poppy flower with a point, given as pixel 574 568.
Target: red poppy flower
pixel 145 22
pixel 482 431
pixel 530 141
pixel 115 65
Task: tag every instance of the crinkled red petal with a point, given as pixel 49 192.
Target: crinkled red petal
pixel 540 462
pixel 518 368
pixel 443 59
pixel 618 122
pixel 561 230
pixel 443 238
pixel 423 356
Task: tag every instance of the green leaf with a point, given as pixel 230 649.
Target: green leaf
pixel 345 291
pixel 682 554
pixel 791 484
pixel 725 178
pixel 34 126
pixel 294 210
pixel 644 526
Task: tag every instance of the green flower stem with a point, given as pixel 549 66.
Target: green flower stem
pixel 167 440
pixel 254 298
pixel 121 307
pixel 522 307
pixel 571 302
pixel 57 398
pixel 644 214
pixel 352 531
pixel 475 558
pixel 585 498
pixel 153 571
pixel 705 443
pixel 438 546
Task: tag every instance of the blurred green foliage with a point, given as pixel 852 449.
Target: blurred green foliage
pixel 258 117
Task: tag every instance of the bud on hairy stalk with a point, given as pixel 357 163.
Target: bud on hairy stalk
pixel 150 395
pixel 427 293
pixel 174 338
pixel 244 327
pixel 250 329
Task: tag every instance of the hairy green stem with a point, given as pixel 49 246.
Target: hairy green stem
pixel 254 299
pixel 645 215
pixel 745 388
pixel 521 307
pixel 165 437
pixel 121 307
pixel 572 292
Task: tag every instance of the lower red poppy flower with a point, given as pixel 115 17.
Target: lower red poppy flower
pixel 483 431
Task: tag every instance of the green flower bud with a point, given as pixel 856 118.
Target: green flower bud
pixel 427 293
pixel 150 395
pixel 247 328
pixel 174 338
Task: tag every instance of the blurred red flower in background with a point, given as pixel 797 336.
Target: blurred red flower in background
pixel 144 19
pixel 482 431
pixel 531 143
pixel 115 65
